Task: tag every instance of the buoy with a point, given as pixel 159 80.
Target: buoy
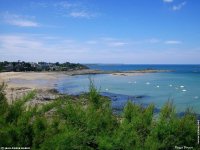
pixel 181 86
pixel 184 90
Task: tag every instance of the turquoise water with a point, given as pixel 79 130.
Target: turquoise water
pixel 181 86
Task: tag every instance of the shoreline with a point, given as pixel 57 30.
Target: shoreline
pixel 46 81
pixel 124 73
pixel 46 92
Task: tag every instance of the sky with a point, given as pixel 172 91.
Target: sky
pixel 101 31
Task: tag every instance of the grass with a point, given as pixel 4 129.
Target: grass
pixel 74 125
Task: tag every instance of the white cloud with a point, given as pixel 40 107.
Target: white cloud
pixel 179 6
pixel 14 43
pixel 172 42
pixel 17 20
pixel 40 47
pixel 64 4
pixel 30 47
pixel 168 1
pixel 81 14
pixel 39 4
pixel 117 44
pixel 22 23
pixel 112 42
pixel 75 10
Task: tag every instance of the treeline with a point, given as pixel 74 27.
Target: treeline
pixel 88 123
pixel 40 66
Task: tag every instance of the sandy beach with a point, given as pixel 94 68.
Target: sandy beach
pixel 20 83
pixel 48 79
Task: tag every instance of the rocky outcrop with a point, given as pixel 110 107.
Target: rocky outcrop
pixel 42 96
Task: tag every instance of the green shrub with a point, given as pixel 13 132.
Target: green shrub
pixel 170 130
pixel 69 124
pixel 94 96
pixel 3 101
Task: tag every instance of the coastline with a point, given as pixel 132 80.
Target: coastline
pixel 46 81
pixel 50 78
pixel 124 73
pixel 46 92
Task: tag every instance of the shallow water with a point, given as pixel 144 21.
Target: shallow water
pixel 181 86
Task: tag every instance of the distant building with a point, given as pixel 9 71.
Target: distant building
pixel 9 67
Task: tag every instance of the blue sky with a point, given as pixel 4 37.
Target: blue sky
pixel 101 31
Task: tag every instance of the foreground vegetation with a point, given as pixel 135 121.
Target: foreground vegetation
pixel 90 124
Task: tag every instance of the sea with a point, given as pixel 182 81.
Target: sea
pixel 180 86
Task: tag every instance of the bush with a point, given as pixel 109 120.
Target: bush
pixel 3 101
pixel 74 125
